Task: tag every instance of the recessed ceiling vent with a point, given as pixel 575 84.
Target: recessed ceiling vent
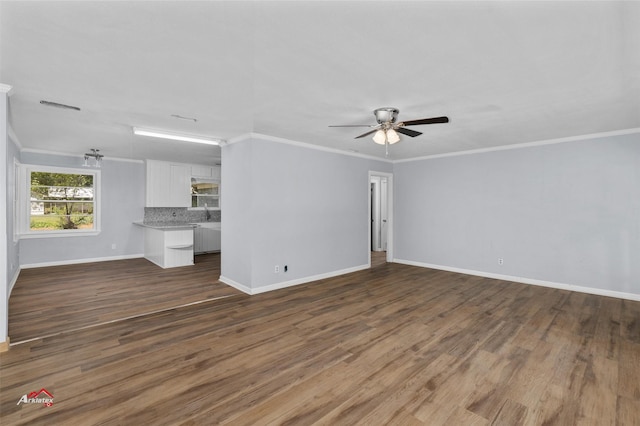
pixel 57 105
pixel 184 118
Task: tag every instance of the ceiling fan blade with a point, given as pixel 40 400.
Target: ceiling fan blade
pixel 367 134
pixel 353 125
pixel 433 120
pixel 408 132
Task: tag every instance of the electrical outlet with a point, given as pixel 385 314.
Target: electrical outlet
pixel 276 269
pixel 500 261
pixel 113 246
pixel 286 268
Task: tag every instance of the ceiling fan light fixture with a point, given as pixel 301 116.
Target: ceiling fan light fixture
pixel 380 137
pixel 174 136
pixel 392 136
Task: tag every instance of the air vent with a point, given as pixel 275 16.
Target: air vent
pixel 57 105
pixel 180 117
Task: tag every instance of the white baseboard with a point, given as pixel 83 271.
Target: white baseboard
pixel 551 284
pixel 76 261
pixel 290 283
pixel 14 279
pixel 228 281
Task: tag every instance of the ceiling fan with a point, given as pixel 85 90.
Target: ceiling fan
pixel 387 129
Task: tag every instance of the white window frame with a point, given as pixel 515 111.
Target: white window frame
pixel 219 195
pixel 24 202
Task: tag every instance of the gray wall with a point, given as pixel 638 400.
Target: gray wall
pixel 122 203
pixel 236 198
pixel 566 213
pixel 291 205
pixel 13 247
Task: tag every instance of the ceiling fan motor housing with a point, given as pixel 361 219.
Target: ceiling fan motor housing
pixel 386 115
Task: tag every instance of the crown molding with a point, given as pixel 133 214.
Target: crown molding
pixel 248 136
pixel 5 88
pixel 62 154
pixel 527 144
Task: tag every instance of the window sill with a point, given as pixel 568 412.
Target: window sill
pixel 58 234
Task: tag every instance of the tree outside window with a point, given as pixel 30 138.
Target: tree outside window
pixel 61 201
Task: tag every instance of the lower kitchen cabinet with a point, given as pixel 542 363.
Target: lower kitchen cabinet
pixel 169 248
pixel 206 238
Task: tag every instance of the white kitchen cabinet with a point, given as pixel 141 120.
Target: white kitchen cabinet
pixel 158 181
pixel 168 184
pixel 206 238
pixel 180 187
pixel 207 172
pixel 169 248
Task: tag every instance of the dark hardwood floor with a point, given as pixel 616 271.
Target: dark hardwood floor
pixel 47 301
pixel 394 344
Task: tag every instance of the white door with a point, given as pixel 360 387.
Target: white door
pixel 375 214
pixel 384 216
pixel 381 213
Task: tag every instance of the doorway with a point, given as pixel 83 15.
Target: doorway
pixel 380 215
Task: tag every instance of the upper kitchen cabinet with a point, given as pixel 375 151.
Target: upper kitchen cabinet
pixel 182 185
pixel 168 184
pixel 206 172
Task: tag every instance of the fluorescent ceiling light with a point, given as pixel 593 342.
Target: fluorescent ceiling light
pixel 173 136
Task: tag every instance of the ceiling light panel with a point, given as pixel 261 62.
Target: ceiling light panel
pixel 175 136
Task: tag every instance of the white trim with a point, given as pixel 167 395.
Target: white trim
pixel 239 138
pixel 290 283
pixel 304 280
pixel 24 196
pixel 531 281
pixel 14 280
pixel 527 144
pixel 78 261
pixel 228 281
pixel 390 219
pixel 15 202
pixel 249 136
pixel 63 154
pixel 5 88
pixel 58 234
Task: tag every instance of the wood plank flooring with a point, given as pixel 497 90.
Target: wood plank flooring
pixel 51 300
pixel 394 344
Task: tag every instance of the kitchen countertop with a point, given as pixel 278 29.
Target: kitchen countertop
pixel 166 225
pixel 175 225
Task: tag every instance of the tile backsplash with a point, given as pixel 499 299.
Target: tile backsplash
pixel 179 214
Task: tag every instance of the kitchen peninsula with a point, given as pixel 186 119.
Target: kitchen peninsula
pixel 168 244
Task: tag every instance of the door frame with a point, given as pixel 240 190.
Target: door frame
pixel 389 177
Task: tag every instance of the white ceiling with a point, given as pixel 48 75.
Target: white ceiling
pixel 504 72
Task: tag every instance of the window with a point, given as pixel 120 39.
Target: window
pixel 205 193
pixel 59 202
